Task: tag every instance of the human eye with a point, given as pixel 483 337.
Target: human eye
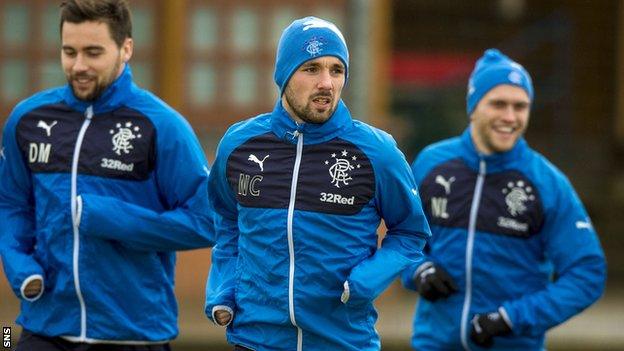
pixel 310 68
pixel 521 106
pixel 498 104
pixel 69 52
pixel 338 70
pixel 94 52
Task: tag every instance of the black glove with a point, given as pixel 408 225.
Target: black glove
pixel 433 282
pixel 486 326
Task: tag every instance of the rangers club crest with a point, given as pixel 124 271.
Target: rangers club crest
pixel 314 46
pixel 123 137
pixel 517 194
pixel 340 170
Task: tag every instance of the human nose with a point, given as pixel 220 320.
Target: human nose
pixel 509 114
pixel 80 64
pixel 325 81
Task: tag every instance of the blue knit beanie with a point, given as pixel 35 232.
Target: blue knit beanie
pixel 306 39
pixel 493 69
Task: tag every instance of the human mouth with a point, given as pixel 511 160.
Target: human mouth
pixel 82 81
pixel 504 129
pixel 321 101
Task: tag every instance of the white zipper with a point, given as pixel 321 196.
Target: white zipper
pixel 472 225
pixel 74 212
pixel 291 245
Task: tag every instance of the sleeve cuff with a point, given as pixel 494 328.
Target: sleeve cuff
pixel 220 308
pixel 421 268
pixel 503 313
pixel 26 282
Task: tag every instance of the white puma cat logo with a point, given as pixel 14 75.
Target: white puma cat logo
pixel 253 158
pixel 446 184
pixel 584 225
pixel 44 125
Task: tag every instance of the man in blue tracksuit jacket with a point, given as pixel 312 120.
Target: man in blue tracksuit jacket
pixel 300 193
pixel 513 252
pixel 100 181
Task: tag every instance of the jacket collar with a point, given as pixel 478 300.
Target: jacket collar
pixel 284 126
pixel 497 161
pixel 114 96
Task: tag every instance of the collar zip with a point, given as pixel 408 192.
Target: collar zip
pixel 292 136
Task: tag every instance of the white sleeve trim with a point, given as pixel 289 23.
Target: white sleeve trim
pixel 503 313
pixel 421 268
pixel 221 308
pixel 26 282
pixel 346 293
pixel 78 339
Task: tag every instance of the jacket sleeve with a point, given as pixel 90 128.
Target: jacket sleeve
pixel 182 179
pixel 17 231
pixel 573 247
pixel 407 276
pixel 399 205
pixel 222 277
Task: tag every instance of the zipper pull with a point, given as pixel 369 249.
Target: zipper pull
pixel 292 136
pixel 482 166
pixel 89 112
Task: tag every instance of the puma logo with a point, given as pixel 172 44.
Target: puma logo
pixel 253 158
pixel 44 125
pixel 583 225
pixel 446 184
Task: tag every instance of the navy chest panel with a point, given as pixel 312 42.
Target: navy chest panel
pixel 334 177
pixel 509 204
pixel 118 144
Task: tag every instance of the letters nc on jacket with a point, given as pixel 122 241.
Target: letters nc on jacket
pixel 298 209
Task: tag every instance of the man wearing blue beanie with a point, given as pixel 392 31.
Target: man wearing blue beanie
pixel 513 252
pixel 299 194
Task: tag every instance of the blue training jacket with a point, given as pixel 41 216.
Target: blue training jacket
pixel 94 198
pixel 298 210
pixel 512 233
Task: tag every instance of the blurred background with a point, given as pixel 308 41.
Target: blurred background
pixel 410 61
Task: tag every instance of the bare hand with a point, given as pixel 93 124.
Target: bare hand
pixel 222 317
pixel 33 288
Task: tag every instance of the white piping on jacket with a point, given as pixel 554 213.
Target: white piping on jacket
pixel 119 342
pixel 472 225
pixel 291 244
pixel 75 216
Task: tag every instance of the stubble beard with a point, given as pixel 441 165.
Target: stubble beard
pixel 489 139
pixel 100 86
pixel 305 112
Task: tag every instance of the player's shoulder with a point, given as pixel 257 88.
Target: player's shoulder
pixel 545 172
pixel 154 108
pixel 35 101
pixel 250 126
pixel 379 145
pixel 366 134
pixel 244 130
pixel 439 152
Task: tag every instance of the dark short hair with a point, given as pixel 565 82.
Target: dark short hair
pixel 115 13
